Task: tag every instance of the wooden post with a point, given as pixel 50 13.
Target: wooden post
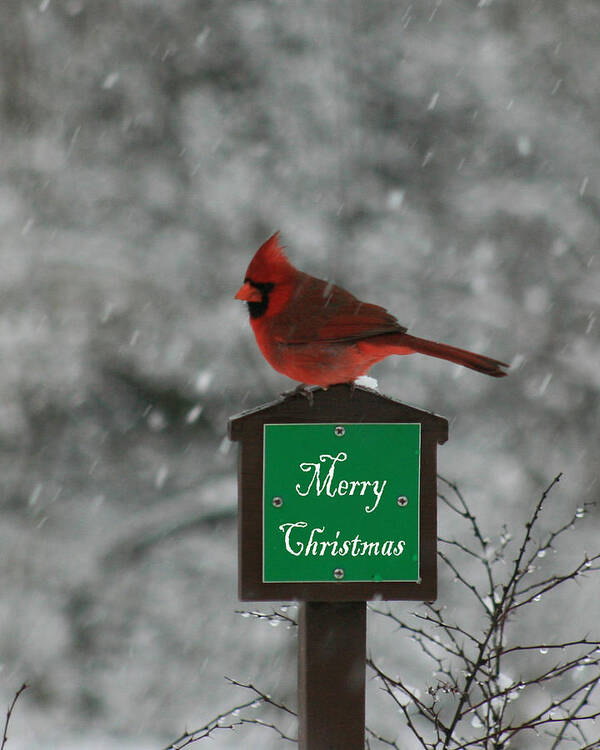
pixel 331 675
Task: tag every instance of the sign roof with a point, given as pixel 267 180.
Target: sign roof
pixel 363 405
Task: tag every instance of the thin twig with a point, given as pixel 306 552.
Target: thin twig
pixel 263 696
pixel 275 616
pixel 9 712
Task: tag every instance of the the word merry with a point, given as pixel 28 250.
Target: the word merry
pixel 343 487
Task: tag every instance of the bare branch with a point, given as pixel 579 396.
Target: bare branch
pixel 9 712
pixel 188 738
pixel 472 686
pixel 465 512
pixel 275 616
pixel 423 709
pixel 380 738
pixel 263 696
pixel 218 723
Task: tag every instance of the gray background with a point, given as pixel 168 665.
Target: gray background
pixel 439 158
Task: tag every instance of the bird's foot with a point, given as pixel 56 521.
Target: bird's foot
pixel 301 390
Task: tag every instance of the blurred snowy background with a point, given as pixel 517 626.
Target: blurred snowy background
pixel 440 158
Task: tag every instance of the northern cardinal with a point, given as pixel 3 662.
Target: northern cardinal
pixel 320 334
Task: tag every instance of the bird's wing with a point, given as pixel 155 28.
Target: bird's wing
pixel 322 311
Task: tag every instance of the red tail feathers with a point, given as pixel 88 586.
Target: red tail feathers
pixel 478 362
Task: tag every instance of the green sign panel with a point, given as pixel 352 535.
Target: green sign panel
pixel 341 502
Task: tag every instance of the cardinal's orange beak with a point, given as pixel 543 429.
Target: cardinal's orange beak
pixel 248 293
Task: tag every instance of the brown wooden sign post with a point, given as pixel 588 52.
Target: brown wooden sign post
pixel 337 506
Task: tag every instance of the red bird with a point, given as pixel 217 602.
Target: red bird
pixel 320 334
